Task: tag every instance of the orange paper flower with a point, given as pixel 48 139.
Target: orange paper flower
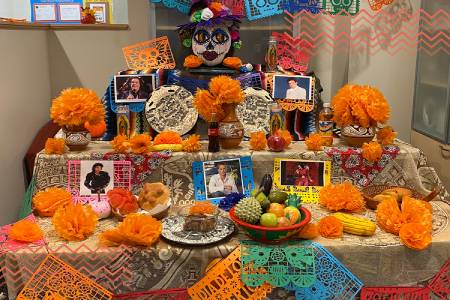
pixel 205 104
pixel 141 143
pixel 46 202
pixel 135 230
pixel 309 232
pixel 120 144
pixel 167 137
pixel 232 62
pixel 343 196
pixel 417 211
pixel 224 89
pixel 192 61
pixel 286 135
pixel 389 216
pixel 314 142
pixel 96 129
pixel 192 144
pixel 258 141
pixel 415 236
pixel 372 151
pixel 54 146
pixel 359 105
pixel 74 222
pixel 123 201
pixel 74 107
pixel 331 227
pixel 202 208
pixel 386 135
pixel 26 231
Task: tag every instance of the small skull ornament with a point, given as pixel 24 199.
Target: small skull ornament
pixel 211 43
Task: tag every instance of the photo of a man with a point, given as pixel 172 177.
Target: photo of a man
pixel 294 91
pixel 133 88
pixel 223 178
pixel 95 177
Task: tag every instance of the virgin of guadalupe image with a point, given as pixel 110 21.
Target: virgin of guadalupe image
pixel 123 126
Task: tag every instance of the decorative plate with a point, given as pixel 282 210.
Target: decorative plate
pixel 173 231
pixel 254 112
pixel 170 108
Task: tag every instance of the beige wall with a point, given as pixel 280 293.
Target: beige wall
pixel 25 100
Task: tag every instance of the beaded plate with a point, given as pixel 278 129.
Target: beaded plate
pixel 170 108
pixel 173 231
pixel 254 112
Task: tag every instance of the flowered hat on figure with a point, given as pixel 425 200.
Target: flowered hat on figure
pixel 213 33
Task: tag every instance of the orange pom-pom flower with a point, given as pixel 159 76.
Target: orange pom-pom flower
pixel 96 129
pixel 192 61
pixel 224 89
pixel 205 104
pixel 258 141
pixel 386 135
pixel 192 144
pixel 135 230
pixel 331 227
pixel 314 142
pixel 46 202
pixel 141 144
pixel 122 201
pixel 167 137
pixel 54 146
pixel 415 236
pixel 344 196
pixel 309 232
pixel 74 222
pixel 232 62
pixel 25 231
pixel 120 144
pixel 372 151
pixel 286 136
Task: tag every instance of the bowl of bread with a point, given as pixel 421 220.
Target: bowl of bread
pixel 154 199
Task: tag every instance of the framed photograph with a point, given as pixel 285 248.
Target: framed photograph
pixel 134 88
pixel 102 10
pixel 92 179
pixel 69 12
pixel 44 12
pixel 293 87
pixel 301 177
pixel 215 179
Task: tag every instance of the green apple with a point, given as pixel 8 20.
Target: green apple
pixel 265 204
pixel 261 197
pixel 269 220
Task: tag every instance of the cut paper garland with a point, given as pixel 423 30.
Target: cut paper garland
pixel 63 281
pixel 380 292
pixel 12 245
pixel 378 4
pixel 294 6
pixel 223 281
pixel 257 9
pixel 291 263
pixel 333 280
pixel 236 6
pixel 292 53
pixel 440 283
pixel 172 294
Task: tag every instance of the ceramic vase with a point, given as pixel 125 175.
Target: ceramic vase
pixel 77 138
pixel 231 130
pixel 356 136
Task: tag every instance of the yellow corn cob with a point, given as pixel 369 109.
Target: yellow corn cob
pixel 172 147
pixel 356 225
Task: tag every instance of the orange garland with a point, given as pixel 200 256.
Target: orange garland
pixel 135 230
pixel 372 151
pixel 96 130
pixel 74 222
pixel 343 196
pixel 120 144
pixel 192 144
pixel 202 208
pixel 141 144
pixel 331 227
pixel 314 142
pixel 386 135
pixel 54 146
pixel 309 232
pixel 192 61
pixel 258 141
pixel 26 231
pixel 46 202
pixel 123 201
pixel 167 137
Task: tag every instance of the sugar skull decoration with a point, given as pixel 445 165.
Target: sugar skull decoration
pixel 213 34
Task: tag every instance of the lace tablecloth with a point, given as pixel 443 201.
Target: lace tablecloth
pixel 377 260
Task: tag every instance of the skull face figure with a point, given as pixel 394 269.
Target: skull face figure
pixel 211 43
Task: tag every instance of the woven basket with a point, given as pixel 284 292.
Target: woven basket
pixel 373 190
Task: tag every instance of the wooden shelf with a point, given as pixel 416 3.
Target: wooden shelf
pixel 28 25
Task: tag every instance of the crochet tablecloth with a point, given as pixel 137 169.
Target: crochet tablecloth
pixel 377 260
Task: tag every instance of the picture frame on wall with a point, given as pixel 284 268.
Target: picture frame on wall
pixel 56 11
pixel 102 9
pixel 304 178
pixel 215 179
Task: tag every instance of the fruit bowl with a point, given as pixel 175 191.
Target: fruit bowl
pixel 272 235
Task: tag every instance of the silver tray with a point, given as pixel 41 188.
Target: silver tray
pixel 173 231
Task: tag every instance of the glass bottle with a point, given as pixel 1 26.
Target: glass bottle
pixel 326 125
pixel 271 55
pixel 213 134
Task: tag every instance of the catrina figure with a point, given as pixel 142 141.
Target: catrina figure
pixel 213 34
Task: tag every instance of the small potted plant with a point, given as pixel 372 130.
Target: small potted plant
pixel 71 110
pixel 358 110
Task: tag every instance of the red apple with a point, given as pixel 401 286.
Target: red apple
pixel 276 143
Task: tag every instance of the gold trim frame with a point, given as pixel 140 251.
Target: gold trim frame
pixel 108 7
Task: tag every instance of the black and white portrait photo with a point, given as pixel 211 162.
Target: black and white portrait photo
pixel 96 177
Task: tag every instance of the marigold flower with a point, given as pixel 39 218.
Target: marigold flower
pixel 25 231
pixel 120 144
pixel 386 135
pixel 309 232
pixel 372 151
pixel 232 62
pixel 286 136
pixel 74 222
pixel 415 236
pixel 343 196
pixel 141 144
pixel 192 144
pixel 258 141
pixel 96 129
pixel 46 202
pixel 55 146
pixel 331 227
pixel 167 137
pixel 192 61
pixel 314 142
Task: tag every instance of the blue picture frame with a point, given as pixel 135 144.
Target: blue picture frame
pixel 204 171
pixel 56 4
